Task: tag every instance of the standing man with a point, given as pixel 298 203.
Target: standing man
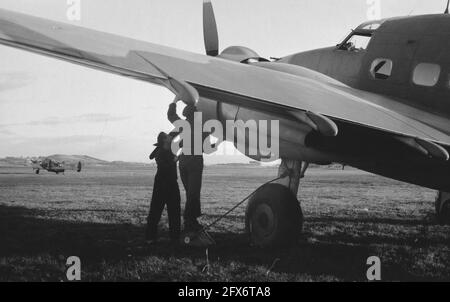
pixel 191 170
pixel 165 190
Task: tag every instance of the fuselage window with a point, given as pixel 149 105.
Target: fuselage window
pixel 381 69
pixel 426 74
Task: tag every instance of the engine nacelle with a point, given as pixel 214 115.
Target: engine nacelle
pixel 291 136
pixel 238 54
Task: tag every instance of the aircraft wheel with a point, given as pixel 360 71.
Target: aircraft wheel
pixel 273 217
pixel 443 208
pixel 37 171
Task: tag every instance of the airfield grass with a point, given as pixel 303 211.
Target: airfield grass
pixel 100 214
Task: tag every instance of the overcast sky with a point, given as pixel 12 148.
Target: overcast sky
pixel 49 107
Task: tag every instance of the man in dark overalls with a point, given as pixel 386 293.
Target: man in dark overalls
pixel 165 190
pixel 191 170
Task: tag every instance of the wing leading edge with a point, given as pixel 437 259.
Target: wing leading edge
pixel 180 70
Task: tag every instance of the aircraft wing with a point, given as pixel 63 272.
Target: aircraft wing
pixel 180 70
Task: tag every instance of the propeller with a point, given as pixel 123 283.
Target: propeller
pixel 211 36
pixel 210 32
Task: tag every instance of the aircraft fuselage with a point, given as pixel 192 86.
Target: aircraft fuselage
pixel 414 60
pixel 406 59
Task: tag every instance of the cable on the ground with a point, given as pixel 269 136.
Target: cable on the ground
pixel 287 173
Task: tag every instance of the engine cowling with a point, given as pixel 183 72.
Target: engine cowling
pixel 291 136
pixel 240 54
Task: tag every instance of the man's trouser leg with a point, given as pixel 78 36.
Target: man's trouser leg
pixel 191 171
pixel 174 212
pixel 156 209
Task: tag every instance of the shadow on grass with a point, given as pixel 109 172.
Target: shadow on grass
pixel 24 234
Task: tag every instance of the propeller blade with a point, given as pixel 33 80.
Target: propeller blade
pixel 210 33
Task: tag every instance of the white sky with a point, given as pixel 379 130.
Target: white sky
pixel 49 107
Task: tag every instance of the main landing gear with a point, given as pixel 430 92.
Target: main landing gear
pixel 274 216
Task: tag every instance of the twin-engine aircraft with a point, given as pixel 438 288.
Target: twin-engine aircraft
pixel 378 101
pixel 53 166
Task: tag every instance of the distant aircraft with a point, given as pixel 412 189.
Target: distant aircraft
pixel 53 166
pixel 378 101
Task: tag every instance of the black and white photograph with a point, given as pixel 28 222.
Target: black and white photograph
pixel 245 142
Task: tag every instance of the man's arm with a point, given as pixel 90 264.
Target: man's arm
pixel 172 115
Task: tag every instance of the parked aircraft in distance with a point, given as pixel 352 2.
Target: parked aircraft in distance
pixel 54 166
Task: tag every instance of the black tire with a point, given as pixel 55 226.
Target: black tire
pixel 274 217
pixel 443 209
pixel 37 171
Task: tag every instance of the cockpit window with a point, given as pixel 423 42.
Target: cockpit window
pixel 254 60
pixel 372 25
pixel 356 42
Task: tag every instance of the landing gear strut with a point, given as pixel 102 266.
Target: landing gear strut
pixel 274 216
pixel 443 208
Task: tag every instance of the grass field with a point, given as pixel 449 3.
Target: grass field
pixel 99 215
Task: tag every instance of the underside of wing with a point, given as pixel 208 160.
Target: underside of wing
pixel 181 71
